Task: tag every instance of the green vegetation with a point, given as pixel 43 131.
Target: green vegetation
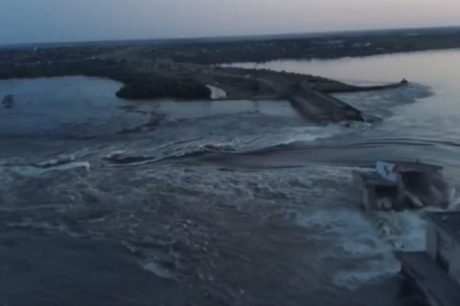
pixel 352 44
pixel 161 87
pixel 137 86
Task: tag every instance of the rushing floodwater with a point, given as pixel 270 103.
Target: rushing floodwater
pixel 110 202
pixel 432 121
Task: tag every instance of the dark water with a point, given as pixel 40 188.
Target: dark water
pixel 105 202
pixel 427 129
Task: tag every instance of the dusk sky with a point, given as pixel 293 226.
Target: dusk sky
pixel 77 20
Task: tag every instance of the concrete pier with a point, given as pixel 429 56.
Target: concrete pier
pixel 434 283
pixel 313 105
pixel 320 107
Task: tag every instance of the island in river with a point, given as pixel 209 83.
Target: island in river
pixel 184 69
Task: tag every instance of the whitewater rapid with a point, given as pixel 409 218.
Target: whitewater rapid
pixel 237 202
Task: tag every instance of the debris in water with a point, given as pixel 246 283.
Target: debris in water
pixel 405 185
pixel 8 101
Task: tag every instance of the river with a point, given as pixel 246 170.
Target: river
pixel 229 203
pixel 431 121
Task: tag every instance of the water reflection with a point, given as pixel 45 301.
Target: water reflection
pixel 434 119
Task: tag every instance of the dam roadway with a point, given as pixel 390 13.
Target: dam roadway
pixel 313 104
pixel 319 107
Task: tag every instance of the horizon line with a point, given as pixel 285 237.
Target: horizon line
pixel 221 38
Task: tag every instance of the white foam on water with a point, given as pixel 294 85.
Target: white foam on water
pixel 34 171
pixel 404 231
pixel 281 136
pixel 209 109
pixel 217 93
pixel 158 270
pixel 353 244
pixel 226 141
pixel 374 240
pixel 362 245
pixel 308 133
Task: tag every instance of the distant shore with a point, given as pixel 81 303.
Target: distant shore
pixel 326 46
pixel 181 81
pixel 184 71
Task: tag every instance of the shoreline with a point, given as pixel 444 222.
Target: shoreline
pixel 308 95
pixel 147 78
